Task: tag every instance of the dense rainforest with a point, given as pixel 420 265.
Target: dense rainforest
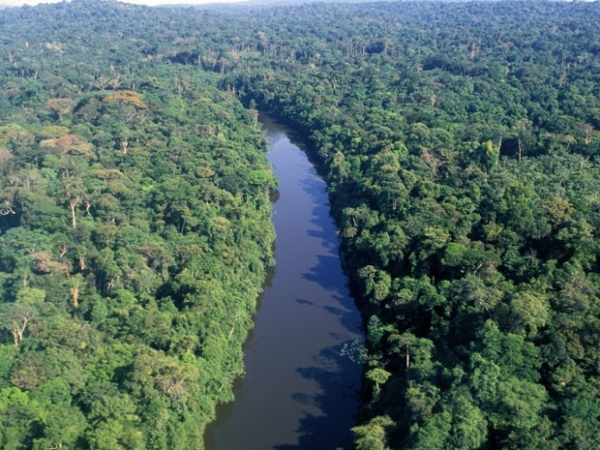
pixel 135 231
pixel 461 146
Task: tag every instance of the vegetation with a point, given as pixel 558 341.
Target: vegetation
pixel 134 236
pixel 460 143
pixel 461 146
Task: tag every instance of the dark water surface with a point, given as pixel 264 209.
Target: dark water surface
pixel 298 392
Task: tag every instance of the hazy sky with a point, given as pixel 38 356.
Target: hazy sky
pixel 145 2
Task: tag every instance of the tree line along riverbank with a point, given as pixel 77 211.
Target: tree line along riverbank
pixel 460 145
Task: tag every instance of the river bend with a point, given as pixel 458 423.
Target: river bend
pixel 298 392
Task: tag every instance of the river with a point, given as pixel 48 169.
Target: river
pixel 299 391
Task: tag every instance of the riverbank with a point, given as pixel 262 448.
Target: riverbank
pixel 298 391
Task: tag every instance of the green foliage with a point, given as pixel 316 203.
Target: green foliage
pixel 460 145
pixel 123 266
pixel 372 436
pixel 461 170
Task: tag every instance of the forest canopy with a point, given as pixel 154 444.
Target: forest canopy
pixel 134 235
pixel 460 143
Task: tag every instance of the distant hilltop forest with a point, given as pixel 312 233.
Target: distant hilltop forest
pixel 460 143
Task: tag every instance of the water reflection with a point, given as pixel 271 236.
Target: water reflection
pixel 298 391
